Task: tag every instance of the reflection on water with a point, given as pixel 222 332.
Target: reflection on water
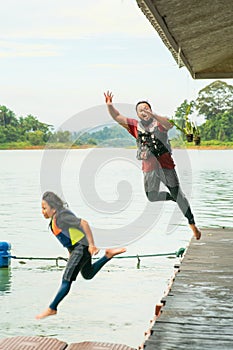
pixel 5 280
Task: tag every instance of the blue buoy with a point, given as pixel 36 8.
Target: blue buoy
pixel 5 256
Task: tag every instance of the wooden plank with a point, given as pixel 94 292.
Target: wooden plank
pixel 32 343
pixel 97 346
pixel 43 343
pixel 198 306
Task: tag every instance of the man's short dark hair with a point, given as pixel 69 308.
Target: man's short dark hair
pixel 143 102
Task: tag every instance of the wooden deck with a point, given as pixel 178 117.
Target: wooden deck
pixel 43 343
pixel 197 309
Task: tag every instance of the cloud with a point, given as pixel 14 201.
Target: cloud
pixel 72 20
pixel 20 49
pixel 56 22
pixel 129 66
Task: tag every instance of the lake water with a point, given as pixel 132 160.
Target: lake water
pixel 105 187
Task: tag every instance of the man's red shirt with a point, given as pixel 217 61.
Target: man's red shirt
pixel 165 160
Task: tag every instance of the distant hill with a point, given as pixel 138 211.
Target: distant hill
pixel 108 136
pixel 112 136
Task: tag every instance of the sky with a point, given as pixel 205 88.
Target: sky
pixel 57 58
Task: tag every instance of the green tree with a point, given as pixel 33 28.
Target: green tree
pixel 16 130
pixel 7 117
pixel 31 124
pixel 215 103
pixel 11 134
pixel 61 136
pixel 215 99
pixel 2 136
pixel 91 141
pixel 218 128
pixel 35 137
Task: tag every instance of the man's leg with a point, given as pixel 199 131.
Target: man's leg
pixel 170 179
pixel 182 202
pixel 152 185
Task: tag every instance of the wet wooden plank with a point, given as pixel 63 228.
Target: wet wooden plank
pixel 44 343
pixel 182 336
pixel 97 346
pixel 198 307
pixel 32 343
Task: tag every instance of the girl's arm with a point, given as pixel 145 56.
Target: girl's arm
pixel 93 250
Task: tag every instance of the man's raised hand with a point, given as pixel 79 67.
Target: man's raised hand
pixel 108 97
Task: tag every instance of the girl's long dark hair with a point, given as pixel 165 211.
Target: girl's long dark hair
pixel 53 200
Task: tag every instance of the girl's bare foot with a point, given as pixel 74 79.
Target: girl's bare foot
pixel 46 313
pixel 115 251
pixel 196 231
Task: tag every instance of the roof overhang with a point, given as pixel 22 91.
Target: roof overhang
pixel 198 33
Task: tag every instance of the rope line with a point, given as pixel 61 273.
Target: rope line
pixel 179 253
pixel 37 258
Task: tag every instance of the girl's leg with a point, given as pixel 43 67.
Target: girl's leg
pixel 89 270
pixel 62 292
pixel 76 260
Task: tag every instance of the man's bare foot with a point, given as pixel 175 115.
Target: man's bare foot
pixel 115 251
pixel 46 313
pixel 196 231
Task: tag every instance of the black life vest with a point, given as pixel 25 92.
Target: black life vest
pixel 151 142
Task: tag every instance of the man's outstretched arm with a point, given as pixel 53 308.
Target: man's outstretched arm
pixel 115 114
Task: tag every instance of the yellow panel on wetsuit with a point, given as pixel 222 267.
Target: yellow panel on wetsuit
pixel 75 235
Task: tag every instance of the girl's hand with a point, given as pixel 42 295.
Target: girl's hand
pixel 93 250
pixel 108 97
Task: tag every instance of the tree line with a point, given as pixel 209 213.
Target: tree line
pixel 23 129
pixel 214 104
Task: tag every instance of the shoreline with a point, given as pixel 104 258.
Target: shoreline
pixel 204 147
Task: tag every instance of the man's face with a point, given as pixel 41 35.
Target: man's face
pixel 141 108
pixel 47 211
